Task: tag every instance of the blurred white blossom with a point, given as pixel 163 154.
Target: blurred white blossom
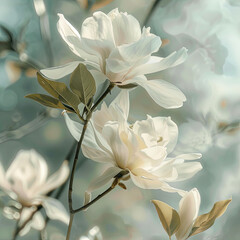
pixel 116 48
pixel 141 148
pixel 26 181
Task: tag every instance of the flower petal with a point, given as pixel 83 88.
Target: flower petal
pixel 163 93
pixel 98 27
pixel 55 180
pixel 189 156
pixel 95 146
pixel 55 210
pixel 158 130
pixel 71 36
pixel 126 28
pixel 3 182
pixel 117 111
pixel 60 71
pixel 188 212
pixel 100 181
pixel 146 45
pixel 156 64
pixel 146 180
pixel 74 127
pixel 97 37
pixel 37 222
pixel 133 54
pixel 113 134
pixel 187 170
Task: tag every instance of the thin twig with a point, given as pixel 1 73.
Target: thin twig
pixel 20 228
pixel 70 189
pixel 114 184
pixel 24 130
pixel 108 90
pixel 15 233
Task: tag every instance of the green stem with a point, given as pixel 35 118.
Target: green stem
pixel 108 90
pixel 70 189
pixel 16 231
pixel 114 184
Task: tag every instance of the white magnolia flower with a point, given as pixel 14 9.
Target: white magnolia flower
pixel 142 148
pixel 114 45
pixel 188 213
pixel 27 182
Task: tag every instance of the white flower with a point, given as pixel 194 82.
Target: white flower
pixel 114 45
pixel 188 213
pixel 142 148
pixel 26 182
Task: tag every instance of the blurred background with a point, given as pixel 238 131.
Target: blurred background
pixel 208 122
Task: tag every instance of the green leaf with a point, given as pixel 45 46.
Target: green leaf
pixel 205 221
pixel 60 91
pixel 82 83
pixel 168 217
pixel 46 84
pixel 46 100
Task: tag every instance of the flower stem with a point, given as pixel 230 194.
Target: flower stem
pixel 16 231
pixel 108 90
pixel 114 184
pixel 70 188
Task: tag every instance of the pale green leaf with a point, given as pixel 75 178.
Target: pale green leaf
pixel 205 221
pixel 168 217
pixel 83 84
pixel 46 100
pixel 45 83
pixel 60 91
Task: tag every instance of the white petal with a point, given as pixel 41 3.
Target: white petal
pixel 26 160
pixel 157 64
pixel 98 27
pixel 71 36
pixel 188 212
pixel 60 71
pixel 126 28
pixel 3 182
pixel 55 210
pixel 95 147
pixel 172 131
pixel 99 78
pixel 161 131
pixel 128 56
pixel 97 36
pixel 153 156
pixel 148 182
pixel 37 221
pixel 122 101
pixel 187 170
pixel 74 127
pixel 117 111
pixel 55 180
pixel 27 172
pixel 146 45
pixel 163 93
pixel 112 133
pixel 100 181
pixel 189 156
